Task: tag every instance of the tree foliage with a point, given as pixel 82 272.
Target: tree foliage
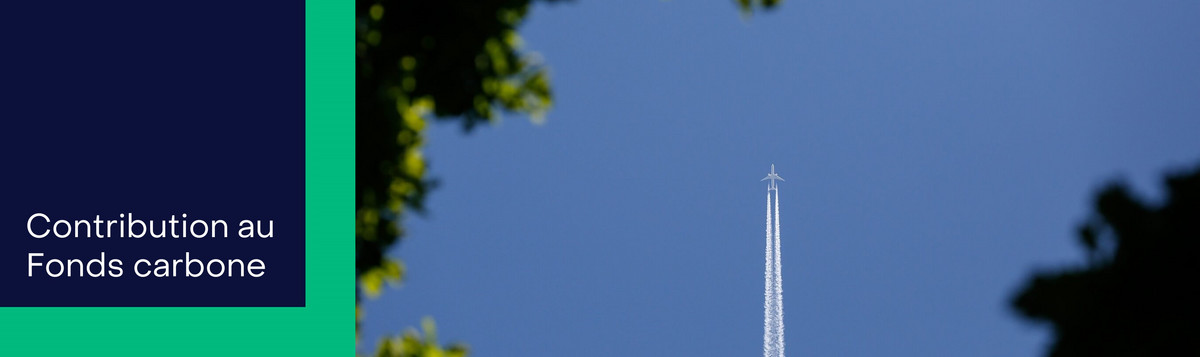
pixel 455 60
pixel 748 6
pixel 1136 295
pixel 417 60
pixel 413 344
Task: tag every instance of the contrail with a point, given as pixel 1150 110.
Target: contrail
pixel 773 277
pixel 769 288
pixel 778 281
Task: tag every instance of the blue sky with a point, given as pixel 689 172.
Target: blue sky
pixel 936 153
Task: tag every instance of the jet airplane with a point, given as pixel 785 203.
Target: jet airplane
pixel 772 176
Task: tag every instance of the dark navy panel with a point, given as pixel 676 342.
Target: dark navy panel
pixel 155 108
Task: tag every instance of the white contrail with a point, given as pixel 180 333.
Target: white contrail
pixel 773 284
pixel 768 287
pixel 778 281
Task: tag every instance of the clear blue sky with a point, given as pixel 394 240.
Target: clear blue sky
pixel 936 153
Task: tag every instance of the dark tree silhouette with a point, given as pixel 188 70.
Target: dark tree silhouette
pixel 1137 295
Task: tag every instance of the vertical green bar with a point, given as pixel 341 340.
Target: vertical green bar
pixel 329 175
pixel 325 326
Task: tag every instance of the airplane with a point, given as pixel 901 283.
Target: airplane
pixel 772 176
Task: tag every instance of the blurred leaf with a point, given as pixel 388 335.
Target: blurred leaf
pixel 413 344
pixel 392 271
pixel 748 6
